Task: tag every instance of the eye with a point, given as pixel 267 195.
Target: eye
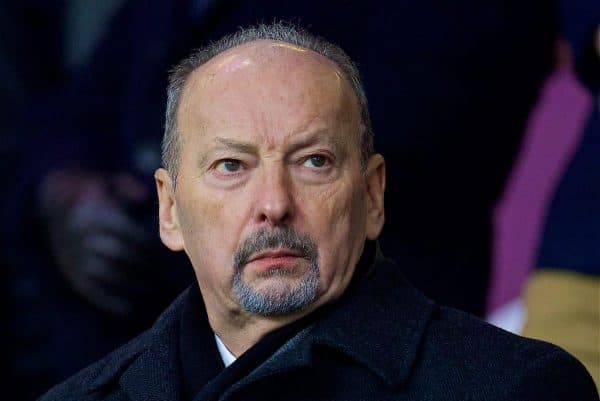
pixel 316 161
pixel 228 166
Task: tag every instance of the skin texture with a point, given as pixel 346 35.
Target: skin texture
pixel 270 136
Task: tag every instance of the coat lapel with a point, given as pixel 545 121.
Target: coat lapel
pixel 379 323
pixel 155 374
pixel 293 355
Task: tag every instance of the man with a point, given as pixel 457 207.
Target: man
pixel 272 188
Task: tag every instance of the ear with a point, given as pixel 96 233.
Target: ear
pixel 168 220
pixel 375 176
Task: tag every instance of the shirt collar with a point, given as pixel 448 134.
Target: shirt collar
pixel 226 356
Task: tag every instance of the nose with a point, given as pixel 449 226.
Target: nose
pixel 275 200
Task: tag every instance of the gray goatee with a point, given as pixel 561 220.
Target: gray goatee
pixel 287 298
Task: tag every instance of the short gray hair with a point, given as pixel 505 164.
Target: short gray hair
pixel 277 31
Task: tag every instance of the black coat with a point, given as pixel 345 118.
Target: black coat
pixel 382 341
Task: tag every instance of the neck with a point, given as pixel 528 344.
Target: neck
pixel 242 331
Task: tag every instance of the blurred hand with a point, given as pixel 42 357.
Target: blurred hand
pixel 99 248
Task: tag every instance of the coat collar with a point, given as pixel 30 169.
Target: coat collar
pixel 147 368
pixel 379 322
pixel 155 375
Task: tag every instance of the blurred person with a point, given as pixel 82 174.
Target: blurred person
pixel 78 290
pixel 22 24
pixel 562 296
pixel 272 188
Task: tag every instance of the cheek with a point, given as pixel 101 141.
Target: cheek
pixel 336 218
pixel 338 211
pixel 198 216
pixel 210 233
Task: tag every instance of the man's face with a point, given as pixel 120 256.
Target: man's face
pixel 271 204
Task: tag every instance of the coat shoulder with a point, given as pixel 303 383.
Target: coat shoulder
pixel 94 382
pixel 89 383
pixel 491 363
pixel 99 380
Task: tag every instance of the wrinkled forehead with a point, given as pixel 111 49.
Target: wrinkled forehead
pixel 262 55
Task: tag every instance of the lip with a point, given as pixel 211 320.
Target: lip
pixel 274 254
pixel 278 258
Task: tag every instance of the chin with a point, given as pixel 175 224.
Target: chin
pixel 277 295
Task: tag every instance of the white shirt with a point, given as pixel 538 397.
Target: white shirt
pixel 227 357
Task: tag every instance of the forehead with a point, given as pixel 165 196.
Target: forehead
pixel 272 84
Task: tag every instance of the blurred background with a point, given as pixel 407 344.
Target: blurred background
pixel 487 114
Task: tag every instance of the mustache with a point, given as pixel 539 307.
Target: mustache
pixel 274 238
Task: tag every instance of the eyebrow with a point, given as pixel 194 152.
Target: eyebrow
pixel 227 144
pixel 250 148
pixel 247 147
pixel 240 146
pixel 314 138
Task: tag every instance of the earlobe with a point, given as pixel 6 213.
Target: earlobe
pixel 170 231
pixel 375 176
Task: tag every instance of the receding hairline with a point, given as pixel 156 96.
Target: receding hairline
pixel 262 43
pixel 253 47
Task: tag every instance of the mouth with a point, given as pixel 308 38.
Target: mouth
pixel 275 259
